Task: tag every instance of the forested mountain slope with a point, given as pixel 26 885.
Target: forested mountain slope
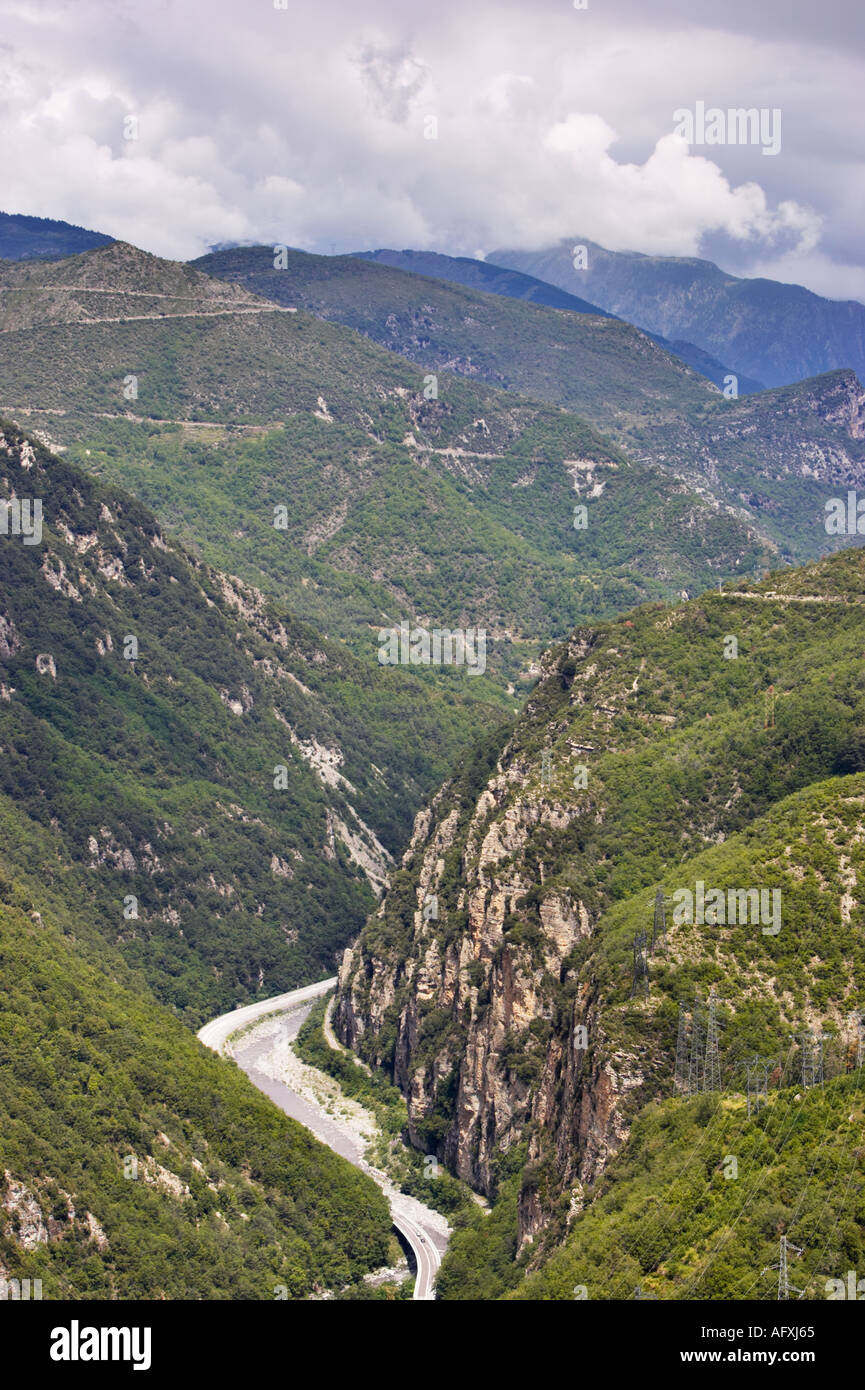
pixel 404 494
pixel 24 238
pixel 719 742
pixel 136 1165
pixel 495 279
pixel 776 455
pixel 174 745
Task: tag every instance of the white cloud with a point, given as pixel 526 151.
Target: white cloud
pixel 307 126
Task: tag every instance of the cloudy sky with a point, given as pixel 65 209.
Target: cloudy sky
pixel 310 125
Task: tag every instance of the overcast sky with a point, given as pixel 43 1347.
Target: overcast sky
pixel 306 125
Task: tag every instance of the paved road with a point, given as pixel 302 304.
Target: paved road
pixel 425 1242
pixel 216 1033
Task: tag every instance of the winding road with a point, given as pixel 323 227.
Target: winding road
pixel 419 1227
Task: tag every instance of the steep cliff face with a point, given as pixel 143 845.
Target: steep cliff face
pixel 494 982
pixel 481 1037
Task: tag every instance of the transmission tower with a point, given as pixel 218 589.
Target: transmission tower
pixel 812 1058
pixel 695 1064
pixel 712 1068
pixel 659 926
pixel 785 1288
pixel 758 1083
pixel 683 1082
pixel 640 985
pixel 769 720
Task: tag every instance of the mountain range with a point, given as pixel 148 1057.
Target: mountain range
pixel 767 458
pixel 25 238
pixel 253 468
pixel 775 332
pixel 495 279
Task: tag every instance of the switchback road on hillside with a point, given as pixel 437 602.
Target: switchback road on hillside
pixel 419 1227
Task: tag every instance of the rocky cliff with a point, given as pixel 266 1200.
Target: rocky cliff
pixel 494 982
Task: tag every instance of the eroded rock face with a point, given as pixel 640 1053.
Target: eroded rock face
pixel 27 1224
pixel 483 983
pixel 23 1218
pixel 505 1065
pixel 466 1005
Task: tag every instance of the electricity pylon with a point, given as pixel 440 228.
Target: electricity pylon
pixel 758 1083
pixel 712 1067
pixel 659 926
pixel 641 967
pixel 784 1286
pixel 812 1058
pixel 682 1073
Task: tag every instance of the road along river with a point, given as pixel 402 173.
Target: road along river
pixel 258 1037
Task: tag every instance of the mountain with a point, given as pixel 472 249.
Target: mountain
pixel 495 279
pixel 153 871
pixel 718 742
pixel 481 275
pixel 41 238
pixel 774 332
pixel 775 457
pixel 215 789
pixel 450 510
pixel 779 454
pixel 596 365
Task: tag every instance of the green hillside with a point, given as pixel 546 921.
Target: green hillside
pixel 136 1165
pixel 455 510
pixel 600 367
pixel 720 742
pixel 170 737
pixel 675 1218
pixel 775 456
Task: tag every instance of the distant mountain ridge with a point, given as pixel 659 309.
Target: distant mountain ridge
pixel 497 279
pixel 481 275
pixel 24 238
pixel 775 453
pixel 409 504
pixel 775 332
